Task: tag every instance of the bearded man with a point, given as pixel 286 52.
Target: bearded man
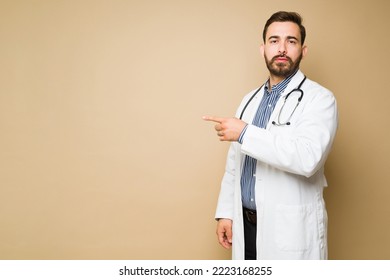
pixel 271 202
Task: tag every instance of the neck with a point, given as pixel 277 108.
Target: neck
pixel 274 80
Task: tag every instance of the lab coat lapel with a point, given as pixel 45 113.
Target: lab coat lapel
pixel 253 106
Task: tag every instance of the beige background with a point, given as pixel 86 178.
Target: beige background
pixel 103 153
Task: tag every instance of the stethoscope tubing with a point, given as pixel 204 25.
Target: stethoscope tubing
pixel 285 99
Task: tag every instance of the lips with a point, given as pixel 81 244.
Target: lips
pixel 281 59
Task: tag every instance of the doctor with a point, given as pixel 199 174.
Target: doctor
pixel 271 199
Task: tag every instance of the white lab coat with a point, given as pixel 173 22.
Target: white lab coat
pixel 291 214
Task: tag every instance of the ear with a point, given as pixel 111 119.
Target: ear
pixel 304 51
pixel 262 49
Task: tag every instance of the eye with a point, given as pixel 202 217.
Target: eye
pixel 293 42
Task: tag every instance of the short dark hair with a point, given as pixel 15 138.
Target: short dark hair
pixel 283 16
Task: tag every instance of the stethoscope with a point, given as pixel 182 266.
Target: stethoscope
pixel 278 122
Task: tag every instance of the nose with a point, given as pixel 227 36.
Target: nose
pixel 282 49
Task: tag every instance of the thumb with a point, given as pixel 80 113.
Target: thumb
pixel 228 233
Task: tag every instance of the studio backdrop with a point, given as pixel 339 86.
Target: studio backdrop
pixel 103 152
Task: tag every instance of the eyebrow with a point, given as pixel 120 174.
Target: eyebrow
pixel 273 37
pixel 292 37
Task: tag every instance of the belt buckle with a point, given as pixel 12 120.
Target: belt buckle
pixel 251 216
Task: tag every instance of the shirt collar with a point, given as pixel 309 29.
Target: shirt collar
pixel 281 86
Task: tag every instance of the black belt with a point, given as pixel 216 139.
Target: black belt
pixel 250 215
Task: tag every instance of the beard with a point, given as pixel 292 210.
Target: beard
pixel 282 69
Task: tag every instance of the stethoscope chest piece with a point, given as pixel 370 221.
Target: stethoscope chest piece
pixel 283 117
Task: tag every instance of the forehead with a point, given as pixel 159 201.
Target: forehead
pixel 283 30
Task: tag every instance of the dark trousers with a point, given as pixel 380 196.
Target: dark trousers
pixel 250 239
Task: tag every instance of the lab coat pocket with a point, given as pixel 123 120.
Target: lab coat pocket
pixel 294 227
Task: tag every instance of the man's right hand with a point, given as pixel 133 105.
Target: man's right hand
pixel 224 232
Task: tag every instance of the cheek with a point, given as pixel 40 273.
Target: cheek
pixel 269 53
pixel 294 53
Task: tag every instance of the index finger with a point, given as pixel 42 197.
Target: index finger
pixel 212 119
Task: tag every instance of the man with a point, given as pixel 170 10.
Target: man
pixel 271 204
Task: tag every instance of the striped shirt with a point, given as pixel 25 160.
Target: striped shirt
pixel 263 114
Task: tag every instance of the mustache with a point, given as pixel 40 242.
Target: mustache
pixel 279 56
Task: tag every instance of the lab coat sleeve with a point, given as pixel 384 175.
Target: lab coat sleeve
pixel 302 148
pixel 228 193
pixel 226 196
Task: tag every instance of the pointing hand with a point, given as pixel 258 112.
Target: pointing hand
pixel 228 129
